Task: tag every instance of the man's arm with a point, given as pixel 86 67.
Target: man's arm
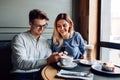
pixel 21 60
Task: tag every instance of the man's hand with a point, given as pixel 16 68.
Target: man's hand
pixel 55 57
pixel 63 53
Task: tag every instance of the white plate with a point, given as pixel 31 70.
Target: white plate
pixel 98 67
pixel 67 67
pixel 86 62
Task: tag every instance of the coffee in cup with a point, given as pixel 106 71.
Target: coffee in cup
pixel 89 49
pixel 66 60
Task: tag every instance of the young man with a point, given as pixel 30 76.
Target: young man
pixel 30 51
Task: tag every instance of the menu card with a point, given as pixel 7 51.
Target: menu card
pixel 72 74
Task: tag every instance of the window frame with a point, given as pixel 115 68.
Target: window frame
pixel 105 44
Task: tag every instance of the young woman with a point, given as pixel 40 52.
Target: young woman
pixel 66 39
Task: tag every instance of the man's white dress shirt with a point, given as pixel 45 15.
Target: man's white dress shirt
pixel 28 54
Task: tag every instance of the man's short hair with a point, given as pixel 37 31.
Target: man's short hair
pixel 37 14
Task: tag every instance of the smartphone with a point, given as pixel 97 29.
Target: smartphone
pixel 62 49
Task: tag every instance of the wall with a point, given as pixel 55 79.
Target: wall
pixel 84 18
pixel 93 25
pixel 88 26
pixel 14 15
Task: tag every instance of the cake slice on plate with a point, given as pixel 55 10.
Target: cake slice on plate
pixel 108 67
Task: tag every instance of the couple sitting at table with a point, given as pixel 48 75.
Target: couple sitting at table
pixel 30 51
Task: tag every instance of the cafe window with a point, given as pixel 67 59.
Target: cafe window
pixel 110 31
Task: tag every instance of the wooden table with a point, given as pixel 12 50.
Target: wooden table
pixel 49 72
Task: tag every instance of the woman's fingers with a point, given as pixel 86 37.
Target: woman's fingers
pixel 65 53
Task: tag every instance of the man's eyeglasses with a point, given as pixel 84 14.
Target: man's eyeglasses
pixel 41 26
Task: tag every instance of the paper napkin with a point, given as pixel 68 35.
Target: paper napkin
pixel 62 73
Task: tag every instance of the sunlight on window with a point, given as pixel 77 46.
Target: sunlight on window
pixel 115 21
pixel 115 30
pixel 110 30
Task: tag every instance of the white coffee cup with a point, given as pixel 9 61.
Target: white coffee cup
pixel 66 60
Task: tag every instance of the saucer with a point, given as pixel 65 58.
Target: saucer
pixel 86 62
pixel 72 65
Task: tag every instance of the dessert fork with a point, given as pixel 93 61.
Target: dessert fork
pixel 82 74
